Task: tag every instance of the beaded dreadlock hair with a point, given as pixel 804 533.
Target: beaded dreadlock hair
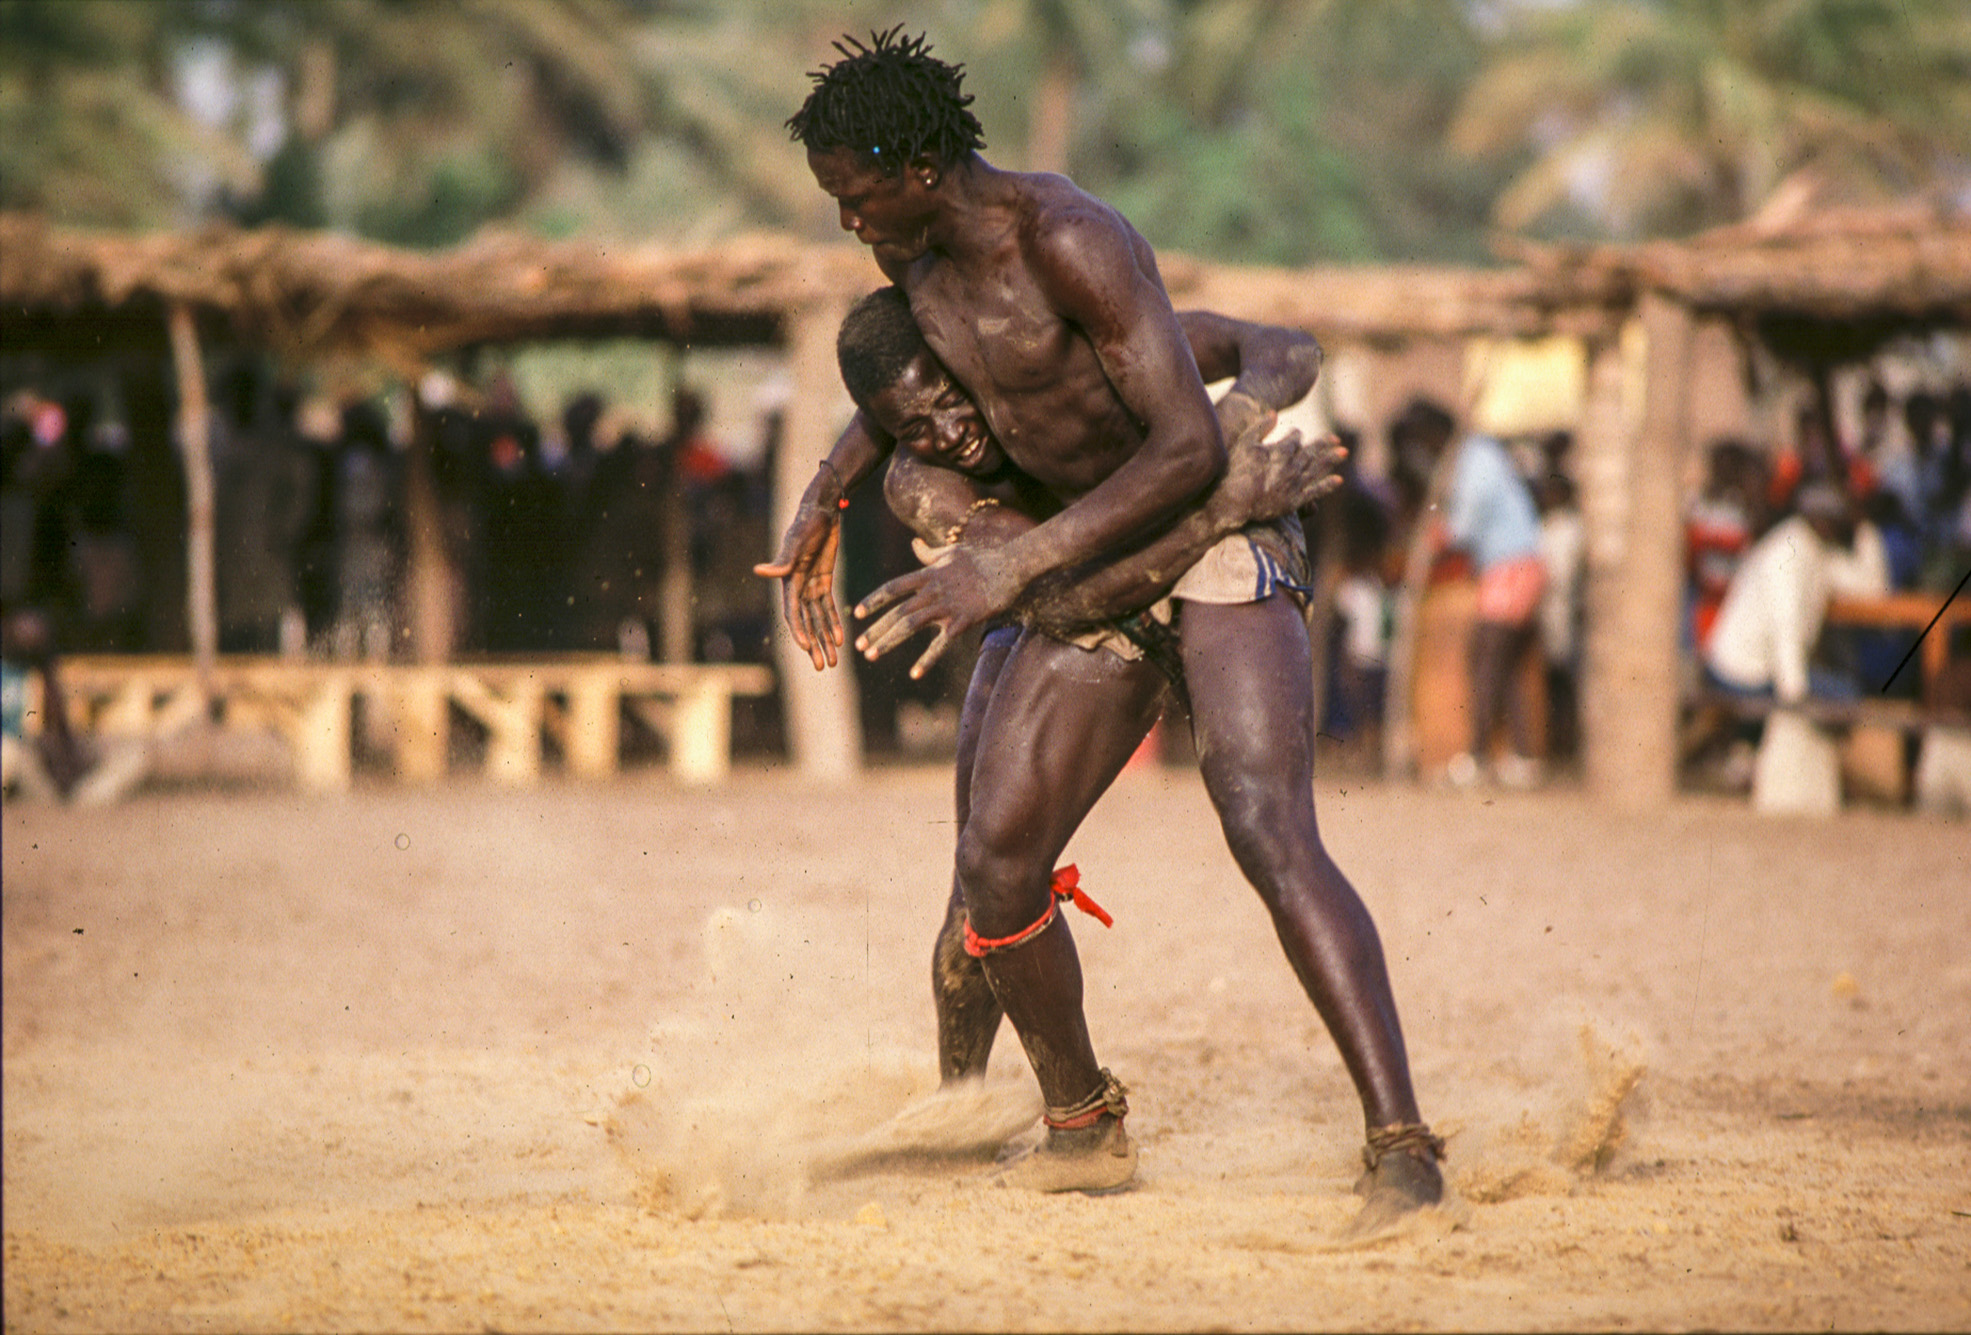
pixel 890 100
pixel 878 338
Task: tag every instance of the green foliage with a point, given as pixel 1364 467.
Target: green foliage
pixel 1660 116
pixel 1276 131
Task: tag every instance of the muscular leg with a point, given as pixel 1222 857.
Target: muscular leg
pixel 968 1013
pixel 1061 724
pixel 1247 668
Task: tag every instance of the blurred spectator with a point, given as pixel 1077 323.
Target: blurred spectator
pixel 1563 550
pixel 1891 457
pixel 620 544
pixel 1491 518
pixel 366 535
pixel 264 496
pixel 1719 529
pixel 55 764
pixel 106 571
pixel 1763 642
pixel 1359 647
pixel 1813 455
pixel 1948 462
pixel 526 579
pixel 317 582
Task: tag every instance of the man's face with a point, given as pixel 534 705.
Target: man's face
pixel 891 215
pixel 931 416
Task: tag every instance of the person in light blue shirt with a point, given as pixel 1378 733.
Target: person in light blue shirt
pixel 1489 515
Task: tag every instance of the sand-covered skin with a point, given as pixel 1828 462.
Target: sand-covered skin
pixel 637 1057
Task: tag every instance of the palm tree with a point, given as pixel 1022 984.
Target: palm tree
pixel 1636 117
pixel 90 128
pixel 1287 132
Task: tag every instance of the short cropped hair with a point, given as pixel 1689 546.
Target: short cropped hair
pixel 891 101
pixel 1423 421
pixel 878 338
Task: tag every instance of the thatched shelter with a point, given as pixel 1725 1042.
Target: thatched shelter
pixel 1837 281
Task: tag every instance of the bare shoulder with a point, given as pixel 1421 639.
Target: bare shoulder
pixel 1078 247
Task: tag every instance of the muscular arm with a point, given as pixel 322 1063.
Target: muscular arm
pixel 1099 278
pixel 1262 481
pixel 1274 367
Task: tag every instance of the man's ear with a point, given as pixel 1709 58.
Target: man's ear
pixel 928 171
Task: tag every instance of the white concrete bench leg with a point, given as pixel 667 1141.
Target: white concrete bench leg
pixel 319 731
pixel 701 732
pixel 1798 771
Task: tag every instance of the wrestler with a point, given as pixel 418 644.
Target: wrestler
pixel 1046 306
pixel 949 481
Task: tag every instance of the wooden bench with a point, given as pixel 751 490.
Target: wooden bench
pixel 577 699
pixel 1867 711
pixel 1871 732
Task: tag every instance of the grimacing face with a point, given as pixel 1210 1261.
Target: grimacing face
pixel 932 416
pixel 890 214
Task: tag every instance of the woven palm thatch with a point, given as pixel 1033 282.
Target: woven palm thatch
pixel 307 294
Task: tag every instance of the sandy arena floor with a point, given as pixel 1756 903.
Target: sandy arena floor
pixel 616 1058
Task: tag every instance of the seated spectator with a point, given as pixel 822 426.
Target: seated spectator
pixel 1718 531
pixel 56 764
pixel 1763 641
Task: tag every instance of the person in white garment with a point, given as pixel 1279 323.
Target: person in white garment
pixel 1762 643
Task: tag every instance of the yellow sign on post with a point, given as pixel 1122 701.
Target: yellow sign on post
pixel 1525 386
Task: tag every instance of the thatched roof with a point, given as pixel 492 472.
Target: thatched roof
pixel 1910 261
pixel 312 292
pixel 306 294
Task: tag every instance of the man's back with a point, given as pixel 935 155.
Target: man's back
pixel 1771 615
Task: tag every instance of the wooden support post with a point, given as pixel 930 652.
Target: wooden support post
pixel 1635 591
pixel 195 440
pixel 423 724
pixel 429 576
pixel 823 726
pixel 594 723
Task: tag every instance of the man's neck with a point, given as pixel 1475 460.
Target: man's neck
pixel 975 207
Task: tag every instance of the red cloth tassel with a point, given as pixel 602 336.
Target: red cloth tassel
pixel 1067 885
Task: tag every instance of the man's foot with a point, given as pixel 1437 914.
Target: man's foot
pixel 1402 1178
pixel 1091 1158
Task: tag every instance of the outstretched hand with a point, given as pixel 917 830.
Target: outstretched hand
pixel 806 571
pixel 960 592
pixel 1266 479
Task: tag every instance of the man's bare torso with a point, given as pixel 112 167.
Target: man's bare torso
pixel 1034 376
